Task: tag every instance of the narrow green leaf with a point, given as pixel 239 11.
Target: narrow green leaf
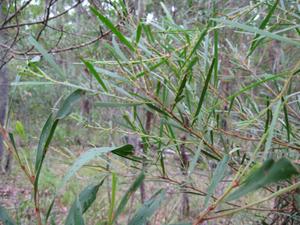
pixel 88 196
pixel 124 7
pixel 46 55
pixel 182 85
pixel 52 221
pixel 148 32
pixel 231 104
pixel 286 120
pixel 111 74
pixel 169 16
pixel 258 31
pixel 194 161
pixel 271 129
pixel 113 28
pixel 269 172
pixel 116 104
pixel 114 182
pixel 216 46
pixel 49 210
pixel 127 153
pixel 148 208
pixel 119 53
pixel 12 140
pixel 94 73
pixel 31 83
pixel 161 157
pixel 5 218
pixel 75 214
pixel 20 130
pixel 198 42
pixel 128 121
pixel 151 68
pixel 67 106
pixel 123 151
pixel 138 34
pixel 151 106
pixel 81 204
pixel 218 175
pixel 262 26
pixel 88 156
pixel 44 141
pixel 254 84
pixel 203 93
pixel 269 115
pixel 128 194
pixel 49 129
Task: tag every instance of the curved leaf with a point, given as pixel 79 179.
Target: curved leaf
pixel 203 93
pixel 88 196
pixel 46 55
pixel 218 175
pixel 93 71
pixel 88 156
pixel 49 129
pixel 128 194
pixel 66 107
pixel 75 214
pixel 148 208
pixel 81 204
pixel 113 28
pixel 269 172
pixel 262 26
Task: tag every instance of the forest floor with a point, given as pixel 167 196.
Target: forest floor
pixel 16 191
pixel 16 197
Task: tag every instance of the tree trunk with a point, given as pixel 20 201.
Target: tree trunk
pixel 3 84
pixel 3 100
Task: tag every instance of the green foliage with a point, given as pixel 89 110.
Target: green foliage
pixel 5 218
pixel 81 204
pixel 268 173
pixel 67 106
pixel 114 184
pixel 113 28
pixel 271 129
pixel 203 93
pixel 262 26
pixel 45 54
pixel 49 129
pixel 75 214
pixel 88 156
pixel 20 130
pixel 95 74
pixel 128 194
pixel 191 98
pixel 147 209
pixel 258 31
pixel 218 175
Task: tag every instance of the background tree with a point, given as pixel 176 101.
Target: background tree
pixel 4 82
